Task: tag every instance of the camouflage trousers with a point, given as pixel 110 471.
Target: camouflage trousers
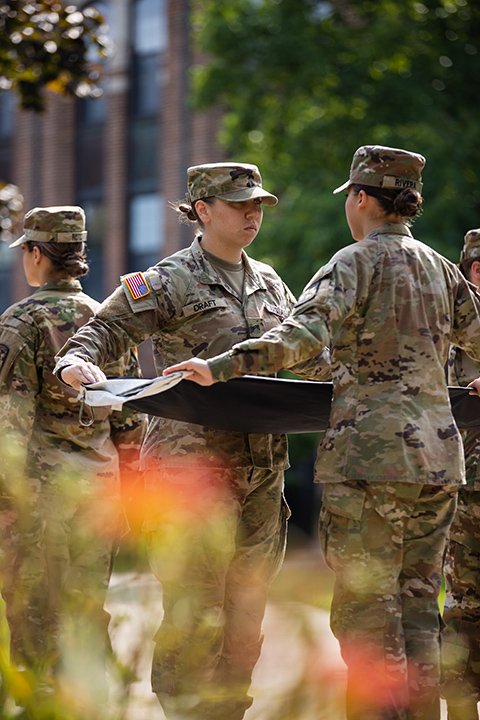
pixel 215 550
pixel 55 564
pixel 461 636
pixel 385 543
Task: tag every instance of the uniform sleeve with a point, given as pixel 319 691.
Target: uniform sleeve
pixel 466 320
pixel 315 368
pixel 118 326
pixel 19 383
pixel 327 300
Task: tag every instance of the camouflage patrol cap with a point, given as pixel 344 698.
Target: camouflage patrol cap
pixel 62 224
pixel 228 181
pixel 385 167
pixel 471 247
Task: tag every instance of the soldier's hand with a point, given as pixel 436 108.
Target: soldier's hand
pixel 198 369
pixel 81 373
pixel 474 387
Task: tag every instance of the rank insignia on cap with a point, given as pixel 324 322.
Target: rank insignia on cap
pixel 137 285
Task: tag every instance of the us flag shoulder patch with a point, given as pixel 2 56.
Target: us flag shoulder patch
pixel 137 285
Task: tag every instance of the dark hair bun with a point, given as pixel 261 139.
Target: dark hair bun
pixel 188 211
pixel 408 203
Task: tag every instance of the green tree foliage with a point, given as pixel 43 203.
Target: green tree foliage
pixel 46 45
pixel 306 82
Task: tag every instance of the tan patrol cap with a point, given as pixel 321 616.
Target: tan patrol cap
pixel 385 167
pixel 471 247
pixel 61 224
pixel 228 181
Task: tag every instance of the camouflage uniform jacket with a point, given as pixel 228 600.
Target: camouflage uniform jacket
pixel 41 411
pixel 390 306
pixel 190 311
pixel 461 371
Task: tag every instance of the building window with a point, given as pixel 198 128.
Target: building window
pixel 7 111
pixel 148 45
pixel 7 125
pixel 143 155
pixel 90 180
pixel 95 215
pixel 90 189
pixel 145 97
pixel 90 159
pixel 7 256
pixel 150 27
pixel 146 223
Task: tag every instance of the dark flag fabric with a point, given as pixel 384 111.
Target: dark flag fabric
pixel 247 404
pixel 464 408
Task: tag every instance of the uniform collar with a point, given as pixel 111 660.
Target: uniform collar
pixel 209 276
pixel 71 285
pixel 390 229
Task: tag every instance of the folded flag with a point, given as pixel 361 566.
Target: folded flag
pixel 247 404
pixel 117 391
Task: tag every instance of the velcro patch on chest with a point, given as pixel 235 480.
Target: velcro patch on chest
pixel 137 285
pixel 201 305
pixel 275 310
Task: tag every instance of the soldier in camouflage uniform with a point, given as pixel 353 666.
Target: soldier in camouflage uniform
pixel 391 458
pixel 461 639
pixel 216 549
pixel 59 485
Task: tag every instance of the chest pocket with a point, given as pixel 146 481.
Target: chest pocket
pixel 202 305
pixel 268 316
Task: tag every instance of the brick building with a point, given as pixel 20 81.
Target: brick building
pixel 122 157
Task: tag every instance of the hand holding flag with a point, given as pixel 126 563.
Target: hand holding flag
pixel 198 369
